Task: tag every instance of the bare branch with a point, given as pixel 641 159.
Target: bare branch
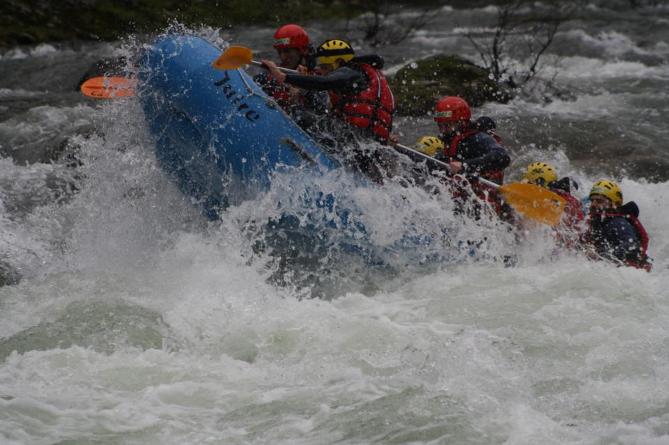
pixel 379 30
pixel 524 31
pixel 549 39
pixel 482 52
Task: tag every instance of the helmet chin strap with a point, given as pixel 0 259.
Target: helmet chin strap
pixel 459 128
pixel 337 63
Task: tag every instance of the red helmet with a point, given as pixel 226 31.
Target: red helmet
pixel 452 109
pixel 291 36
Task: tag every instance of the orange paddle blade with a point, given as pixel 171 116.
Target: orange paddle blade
pixel 234 57
pixel 534 202
pixel 109 87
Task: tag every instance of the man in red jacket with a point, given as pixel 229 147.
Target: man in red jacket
pixel 359 92
pixel 471 150
pixel 359 96
pixel 295 52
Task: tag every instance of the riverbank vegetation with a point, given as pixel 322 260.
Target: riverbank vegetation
pixel 26 22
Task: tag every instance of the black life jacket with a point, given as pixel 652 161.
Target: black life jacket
pixel 630 212
pixel 487 124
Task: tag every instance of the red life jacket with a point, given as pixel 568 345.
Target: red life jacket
pixel 573 209
pixel 370 109
pixel 461 189
pixel 642 262
pixel 451 152
pixel 568 233
pixel 281 92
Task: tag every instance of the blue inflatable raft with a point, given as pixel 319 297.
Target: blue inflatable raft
pixel 217 133
pixel 222 139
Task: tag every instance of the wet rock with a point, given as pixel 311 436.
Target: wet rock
pixel 420 84
pixel 102 326
pixel 8 274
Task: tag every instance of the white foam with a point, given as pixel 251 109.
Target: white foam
pixel 11 94
pixel 584 67
pixel 610 43
pixel 472 30
pixel 43 124
pixel 541 351
pixel 558 349
pixel 42 50
pixel 14 54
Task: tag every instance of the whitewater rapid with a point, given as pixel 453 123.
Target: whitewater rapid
pixel 137 321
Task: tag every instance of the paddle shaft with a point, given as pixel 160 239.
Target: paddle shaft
pixel 283 70
pixel 429 158
pixel 530 201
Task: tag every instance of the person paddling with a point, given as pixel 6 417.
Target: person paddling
pixel 568 231
pixel 614 231
pixel 469 148
pixel 295 52
pixel 359 92
pixel 359 96
pixel 470 151
pixel 545 175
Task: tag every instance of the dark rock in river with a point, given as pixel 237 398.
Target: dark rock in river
pixel 8 275
pixel 102 326
pixel 420 84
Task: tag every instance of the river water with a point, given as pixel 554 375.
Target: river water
pixel 137 321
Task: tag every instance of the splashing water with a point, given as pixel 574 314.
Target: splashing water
pixel 138 321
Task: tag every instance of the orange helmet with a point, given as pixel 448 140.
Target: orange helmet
pixel 291 36
pixel 452 109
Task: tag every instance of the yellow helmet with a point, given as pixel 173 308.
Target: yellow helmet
pixel 608 189
pixel 429 145
pixel 540 173
pixel 331 51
